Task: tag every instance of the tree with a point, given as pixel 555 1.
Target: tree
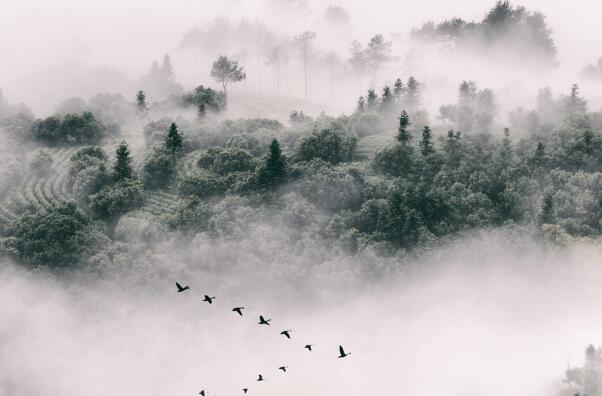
pixel 403 135
pixel 123 163
pixel 115 199
pixel 398 89
pixel 141 103
pixel 426 142
pixel 386 99
pixel 378 53
pixel 173 143
pixel 56 236
pixel 225 71
pixel 547 212
pixel 371 99
pixel 304 42
pixel 358 61
pixel 277 59
pixel 273 171
pixel 412 94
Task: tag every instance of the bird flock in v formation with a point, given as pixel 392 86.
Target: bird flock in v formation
pixel 262 322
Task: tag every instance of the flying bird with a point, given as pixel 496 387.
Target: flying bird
pixel 260 378
pixel 180 288
pixel 238 310
pixel 208 299
pixel 263 321
pixel 202 393
pixel 245 390
pixel 283 368
pixel 342 352
pixel 286 333
pixel 308 347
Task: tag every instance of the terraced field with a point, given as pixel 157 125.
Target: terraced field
pixel 367 146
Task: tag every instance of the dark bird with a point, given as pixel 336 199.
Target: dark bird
pixel 181 289
pixel 286 333
pixel 263 321
pixel 245 390
pixel 202 393
pixel 260 378
pixel 208 299
pixel 238 310
pixel 342 352
pixel 308 347
pixel 283 368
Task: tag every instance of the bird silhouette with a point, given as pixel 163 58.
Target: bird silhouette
pixel 238 310
pixel 308 347
pixel 245 390
pixel 342 352
pixel 263 321
pixel 208 299
pixel 180 288
pixel 283 368
pixel 260 378
pixel 202 393
pixel 286 333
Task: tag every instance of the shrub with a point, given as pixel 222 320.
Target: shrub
pixel 113 200
pixel 157 169
pixel 71 129
pixel 331 144
pixel 55 237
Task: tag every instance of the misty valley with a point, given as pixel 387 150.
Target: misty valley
pixel 289 197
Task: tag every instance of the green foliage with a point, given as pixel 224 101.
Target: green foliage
pixel 71 129
pixel 113 200
pixel 55 237
pixel 204 98
pixel 173 143
pixel 403 134
pixel 157 170
pixel 226 161
pixel 141 106
pixel 191 215
pixel 123 163
pixel 226 71
pixel 274 168
pixel 201 184
pixel 331 144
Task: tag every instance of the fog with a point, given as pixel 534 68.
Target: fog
pixel 494 311
pixel 52 51
pixel 491 313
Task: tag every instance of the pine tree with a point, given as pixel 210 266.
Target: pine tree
pixel 412 93
pixel 506 145
pixel 398 88
pixel 141 103
pixel 173 143
pixel 540 153
pixel 426 143
pixel 123 163
pixel 201 110
pixel 386 98
pixel 371 99
pixel 273 170
pixel 547 213
pixel 361 104
pixel 403 135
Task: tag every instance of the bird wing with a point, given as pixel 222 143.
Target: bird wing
pixel 179 286
pixel 261 318
pixel 341 350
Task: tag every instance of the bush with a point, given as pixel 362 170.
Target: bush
pixel 71 129
pixel 191 215
pixel 226 161
pixel 113 200
pixel 201 184
pixel 331 144
pixel 157 169
pixel 55 237
pixel 205 98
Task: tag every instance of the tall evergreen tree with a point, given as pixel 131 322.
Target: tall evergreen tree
pixel 426 142
pixel 173 143
pixel 141 103
pixel 398 88
pixel 372 99
pixel 123 163
pixel 273 170
pixel 403 135
pixel 386 99
pixel 547 212
pixel 361 104
pixel 412 94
